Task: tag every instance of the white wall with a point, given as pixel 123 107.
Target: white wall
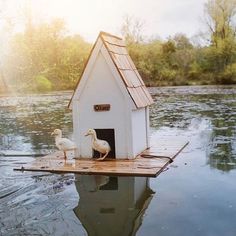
pixel 100 88
pixel 147 126
pixel 139 130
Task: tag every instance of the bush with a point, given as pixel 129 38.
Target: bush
pixel 229 75
pixel 42 84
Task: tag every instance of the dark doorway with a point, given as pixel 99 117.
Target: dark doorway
pixel 111 185
pixel 109 136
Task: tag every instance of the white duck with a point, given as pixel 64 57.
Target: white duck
pixel 99 145
pixel 63 144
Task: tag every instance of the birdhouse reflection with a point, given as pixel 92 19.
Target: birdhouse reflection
pixel 112 205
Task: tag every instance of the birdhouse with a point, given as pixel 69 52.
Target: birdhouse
pixel 112 99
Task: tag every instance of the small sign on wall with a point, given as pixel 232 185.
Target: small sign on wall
pixel 102 107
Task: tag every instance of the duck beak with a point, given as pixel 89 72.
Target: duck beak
pixel 87 134
pixel 52 133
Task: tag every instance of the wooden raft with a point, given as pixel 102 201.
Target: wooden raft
pixel 157 158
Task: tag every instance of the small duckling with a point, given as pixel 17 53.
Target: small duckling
pixel 63 144
pixel 99 145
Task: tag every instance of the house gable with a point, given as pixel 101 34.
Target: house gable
pixel 102 87
pixel 122 67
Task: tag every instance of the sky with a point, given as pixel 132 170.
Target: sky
pixel 161 18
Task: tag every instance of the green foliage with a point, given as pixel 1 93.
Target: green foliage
pixel 44 57
pixel 168 47
pixel 46 50
pixel 182 42
pixel 42 84
pixel 229 75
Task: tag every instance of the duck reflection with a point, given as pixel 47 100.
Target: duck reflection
pixel 112 205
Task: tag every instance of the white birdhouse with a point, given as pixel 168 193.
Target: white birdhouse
pixel 111 98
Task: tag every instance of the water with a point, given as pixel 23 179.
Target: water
pixel 194 196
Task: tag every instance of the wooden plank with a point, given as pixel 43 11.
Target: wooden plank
pixel 127 81
pixel 121 61
pixel 117 49
pixel 138 96
pixel 149 163
pixel 114 40
pixel 130 76
pixel 148 95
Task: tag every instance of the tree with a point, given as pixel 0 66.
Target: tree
pixel 6 26
pixel 45 51
pixel 221 23
pixel 182 42
pixel 132 29
pixel 220 19
pixel 3 84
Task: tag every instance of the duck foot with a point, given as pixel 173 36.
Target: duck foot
pixel 65 157
pixel 100 159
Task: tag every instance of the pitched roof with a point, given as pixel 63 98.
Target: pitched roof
pixel 136 88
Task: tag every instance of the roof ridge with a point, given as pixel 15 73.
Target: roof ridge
pixel 110 35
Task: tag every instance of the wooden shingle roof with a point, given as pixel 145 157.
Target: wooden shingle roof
pixel 127 70
pixel 136 88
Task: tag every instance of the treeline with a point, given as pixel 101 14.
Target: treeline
pixel 44 57
pixel 179 61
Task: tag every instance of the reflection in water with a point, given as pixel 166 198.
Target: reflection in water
pixel 112 205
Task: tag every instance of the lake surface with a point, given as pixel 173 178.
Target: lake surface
pixel 196 195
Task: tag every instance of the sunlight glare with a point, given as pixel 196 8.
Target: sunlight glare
pixel 86 17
